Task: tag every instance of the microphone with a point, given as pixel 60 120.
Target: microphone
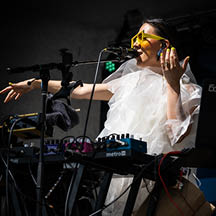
pixel 123 52
pixel 33 68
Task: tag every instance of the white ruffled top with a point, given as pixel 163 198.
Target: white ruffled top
pixel 139 106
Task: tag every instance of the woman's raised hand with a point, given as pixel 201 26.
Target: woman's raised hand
pixel 172 70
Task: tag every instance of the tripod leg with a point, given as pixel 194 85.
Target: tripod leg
pixel 74 190
pixel 132 196
pixel 103 192
pixel 154 197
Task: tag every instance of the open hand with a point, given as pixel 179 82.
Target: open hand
pixel 171 68
pixel 16 90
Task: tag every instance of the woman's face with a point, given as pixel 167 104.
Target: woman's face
pixel 148 48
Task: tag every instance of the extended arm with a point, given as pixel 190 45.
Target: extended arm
pixel 18 89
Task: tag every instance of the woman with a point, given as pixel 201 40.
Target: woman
pixel 161 83
pixel 154 97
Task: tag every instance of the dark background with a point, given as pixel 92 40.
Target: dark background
pixel 33 32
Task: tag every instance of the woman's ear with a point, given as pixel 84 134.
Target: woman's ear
pixel 165 44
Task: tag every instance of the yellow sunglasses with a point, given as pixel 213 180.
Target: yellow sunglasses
pixel 141 36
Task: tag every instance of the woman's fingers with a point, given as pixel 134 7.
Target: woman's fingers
pixel 6 89
pixel 9 95
pixel 174 61
pixel 162 61
pixel 18 96
pixel 172 58
pixel 167 60
pixel 13 95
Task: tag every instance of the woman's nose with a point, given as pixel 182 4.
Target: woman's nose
pixel 136 44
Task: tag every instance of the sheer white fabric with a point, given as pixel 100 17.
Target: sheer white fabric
pixel 138 107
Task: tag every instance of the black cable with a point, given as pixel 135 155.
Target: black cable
pixel 62 139
pixel 9 172
pixel 78 145
pixel 85 126
pixel 112 134
pixel 69 189
pixel 15 185
pixel 102 143
pixel 73 177
pixel 80 150
pixel 92 93
pixel 146 185
pixel 54 185
pixel 7 162
pixel 136 179
pixel 18 189
pixel 31 174
pixel 63 146
pixel 81 143
pixel 94 187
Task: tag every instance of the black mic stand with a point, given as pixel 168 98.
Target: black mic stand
pixel 44 76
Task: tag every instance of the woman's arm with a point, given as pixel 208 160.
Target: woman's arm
pixel 175 109
pixel 18 89
pixel 101 92
pixel 172 72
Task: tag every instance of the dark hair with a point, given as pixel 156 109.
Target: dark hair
pixel 166 30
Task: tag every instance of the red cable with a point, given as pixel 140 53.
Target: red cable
pixel 164 185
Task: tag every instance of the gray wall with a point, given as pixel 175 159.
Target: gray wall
pixel 37 41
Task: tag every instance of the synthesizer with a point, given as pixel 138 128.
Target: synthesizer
pixel 28 126
pixel 116 147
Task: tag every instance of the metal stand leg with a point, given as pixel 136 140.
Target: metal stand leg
pixel 103 192
pixel 77 176
pixel 154 197
pixel 132 196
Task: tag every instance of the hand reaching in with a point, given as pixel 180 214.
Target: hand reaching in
pixel 16 90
